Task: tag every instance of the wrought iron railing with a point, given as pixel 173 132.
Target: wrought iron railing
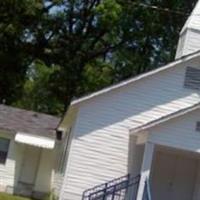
pixel 123 188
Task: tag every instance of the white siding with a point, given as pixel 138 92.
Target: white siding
pixel 58 176
pixel 178 133
pixel 180 46
pixel 44 174
pixel 57 183
pixel 190 34
pixel 60 147
pixel 136 152
pixel 94 158
pixel 100 147
pixel 188 43
pixel 9 172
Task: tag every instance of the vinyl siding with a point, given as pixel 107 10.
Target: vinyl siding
pixel 9 172
pixel 181 43
pixel 44 173
pixel 190 34
pixel 67 125
pixel 136 151
pixel 178 133
pixel 58 176
pixel 190 42
pixel 100 149
pixel 57 183
pixel 59 171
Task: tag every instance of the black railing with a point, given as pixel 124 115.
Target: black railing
pixel 123 188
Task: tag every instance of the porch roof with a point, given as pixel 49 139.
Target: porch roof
pixel 165 118
pixel 19 120
pixel 38 141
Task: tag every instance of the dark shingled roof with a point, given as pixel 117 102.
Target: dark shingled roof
pixel 20 120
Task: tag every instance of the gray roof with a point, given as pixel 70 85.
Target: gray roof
pixel 20 120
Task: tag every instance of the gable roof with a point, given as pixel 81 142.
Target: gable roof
pixel 19 120
pixel 136 78
pixel 165 118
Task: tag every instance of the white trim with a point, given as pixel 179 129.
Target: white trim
pixel 164 119
pixel 69 159
pixel 137 78
pixel 34 140
pixel 194 14
pixel 146 168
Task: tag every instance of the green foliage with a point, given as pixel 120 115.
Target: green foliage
pixel 54 50
pixel 96 75
pixel 109 12
pixel 17 17
pixel 37 93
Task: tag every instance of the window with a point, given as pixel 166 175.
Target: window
pixel 192 78
pixel 4 145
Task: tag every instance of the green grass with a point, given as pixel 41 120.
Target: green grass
pixel 4 196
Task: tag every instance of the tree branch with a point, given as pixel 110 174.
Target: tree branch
pixel 110 48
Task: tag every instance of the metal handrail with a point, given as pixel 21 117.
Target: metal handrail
pixel 122 188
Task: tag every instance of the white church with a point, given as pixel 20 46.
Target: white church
pixel 136 140
pixel 139 139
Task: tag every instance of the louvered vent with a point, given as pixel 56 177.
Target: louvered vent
pixel 192 78
pixel 198 126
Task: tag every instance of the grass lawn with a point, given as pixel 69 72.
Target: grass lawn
pixel 4 196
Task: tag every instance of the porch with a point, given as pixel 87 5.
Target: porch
pixel 35 173
pixel 172 173
pixel 27 141
pixel 166 173
pixel 26 166
pixel 166 155
pixel 175 174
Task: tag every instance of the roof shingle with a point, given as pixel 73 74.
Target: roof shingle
pixel 20 120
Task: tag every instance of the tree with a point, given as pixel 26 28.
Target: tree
pixel 37 94
pixel 92 43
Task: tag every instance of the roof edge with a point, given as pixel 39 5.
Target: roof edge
pixel 136 78
pixel 166 118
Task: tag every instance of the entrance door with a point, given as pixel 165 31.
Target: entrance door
pixel 30 165
pixel 173 177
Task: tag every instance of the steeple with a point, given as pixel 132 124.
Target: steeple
pixel 189 39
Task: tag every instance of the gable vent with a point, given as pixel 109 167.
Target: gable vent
pixel 192 78
pixel 198 126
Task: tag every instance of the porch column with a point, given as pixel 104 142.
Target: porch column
pixel 146 167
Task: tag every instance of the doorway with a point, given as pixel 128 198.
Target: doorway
pixel 30 165
pixel 173 176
